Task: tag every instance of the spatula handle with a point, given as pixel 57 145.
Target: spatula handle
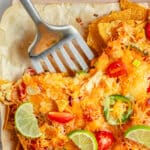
pixel 31 10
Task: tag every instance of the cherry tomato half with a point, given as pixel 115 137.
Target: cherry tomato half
pixel 61 117
pixel 105 140
pixel 147 30
pixel 116 69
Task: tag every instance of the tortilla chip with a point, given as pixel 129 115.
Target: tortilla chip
pixel 94 40
pixel 130 11
pixel 125 4
pixel 106 30
pixel 138 11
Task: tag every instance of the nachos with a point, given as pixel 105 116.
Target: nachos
pixel 108 106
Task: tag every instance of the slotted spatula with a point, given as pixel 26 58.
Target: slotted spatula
pixel 66 48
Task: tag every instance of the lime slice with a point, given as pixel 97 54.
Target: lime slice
pixel 139 134
pixel 84 139
pixel 25 121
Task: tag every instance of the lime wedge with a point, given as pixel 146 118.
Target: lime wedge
pixel 139 134
pixel 25 121
pixel 84 139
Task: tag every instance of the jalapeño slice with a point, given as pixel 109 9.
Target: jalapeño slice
pixel 117 109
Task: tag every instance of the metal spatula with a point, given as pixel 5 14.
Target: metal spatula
pixel 66 49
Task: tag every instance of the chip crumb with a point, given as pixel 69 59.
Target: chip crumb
pixel 95 15
pixel 79 20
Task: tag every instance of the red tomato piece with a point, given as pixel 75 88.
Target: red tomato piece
pixel 22 91
pixel 148 89
pixel 105 140
pixel 116 69
pixel 33 145
pixel 31 71
pixel 61 117
pixel 147 30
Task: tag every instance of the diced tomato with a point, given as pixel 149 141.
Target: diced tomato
pixel 61 117
pixel 148 89
pixel 33 145
pixel 31 71
pixel 105 140
pixel 147 30
pixel 116 69
pixel 22 90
